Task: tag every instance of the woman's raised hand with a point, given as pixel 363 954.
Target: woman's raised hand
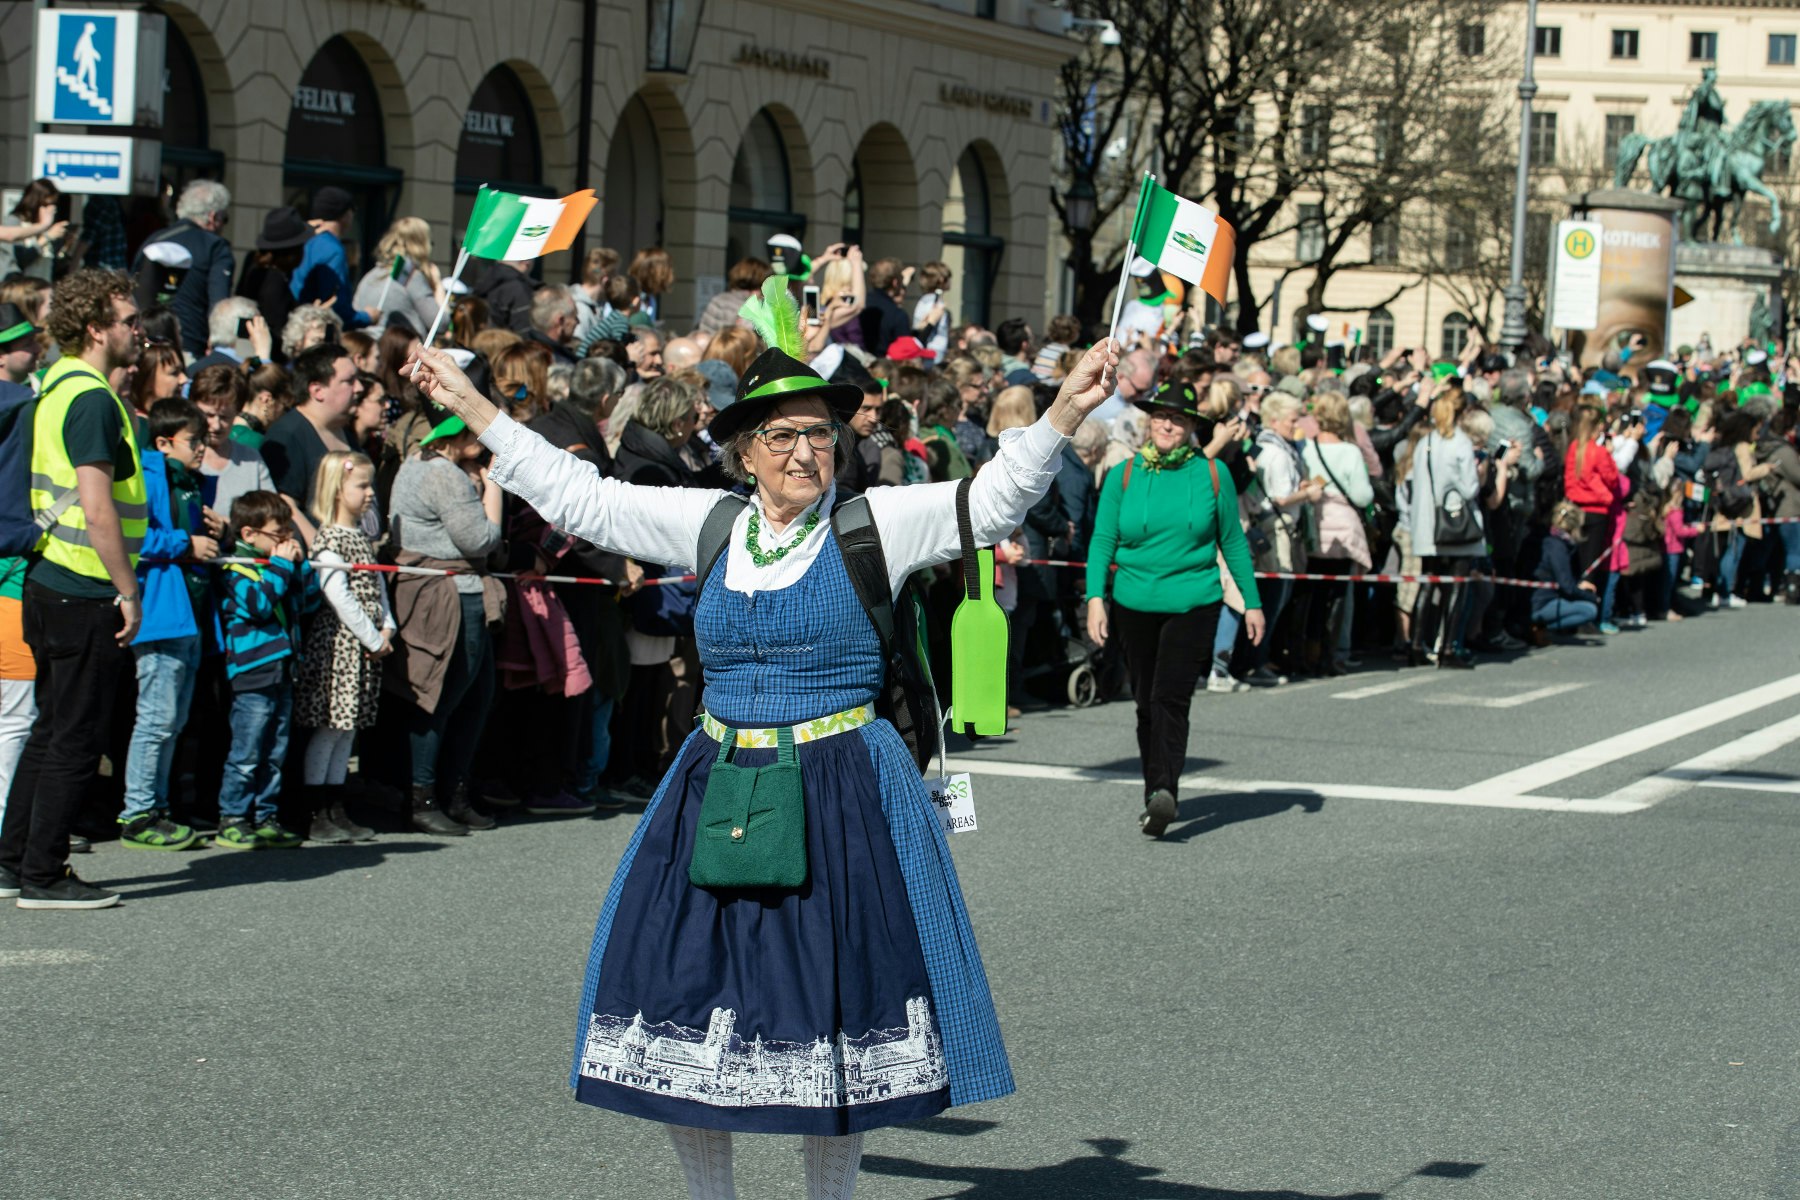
pixel 442 382
pixel 1088 386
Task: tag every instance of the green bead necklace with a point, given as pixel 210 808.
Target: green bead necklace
pixel 764 558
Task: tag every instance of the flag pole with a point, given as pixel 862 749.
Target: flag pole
pixel 462 260
pixel 1131 244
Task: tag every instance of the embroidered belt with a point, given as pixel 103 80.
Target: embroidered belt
pixel 805 731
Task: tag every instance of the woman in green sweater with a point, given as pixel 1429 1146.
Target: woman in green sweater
pixel 1167 516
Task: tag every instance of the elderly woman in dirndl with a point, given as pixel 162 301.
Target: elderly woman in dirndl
pixel 856 998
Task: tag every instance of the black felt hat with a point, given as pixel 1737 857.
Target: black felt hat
pixel 776 376
pixel 1170 394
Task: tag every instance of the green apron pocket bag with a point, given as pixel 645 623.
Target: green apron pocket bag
pixel 752 823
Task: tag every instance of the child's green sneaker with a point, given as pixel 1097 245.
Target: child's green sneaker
pixel 154 831
pixel 236 835
pixel 271 836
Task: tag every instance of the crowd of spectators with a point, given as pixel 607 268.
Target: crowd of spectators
pixel 218 692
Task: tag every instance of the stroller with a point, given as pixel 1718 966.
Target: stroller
pixel 1084 673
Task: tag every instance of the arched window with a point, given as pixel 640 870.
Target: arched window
pixel 633 187
pixel 1456 336
pixel 762 197
pixel 187 152
pixel 499 144
pixel 971 250
pixel 1381 332
pixel 336 136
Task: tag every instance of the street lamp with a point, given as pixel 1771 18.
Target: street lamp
pixel 1512 327
pixel 1080 200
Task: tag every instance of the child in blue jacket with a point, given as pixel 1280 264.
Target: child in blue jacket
pixel 167 646
pixel 261 608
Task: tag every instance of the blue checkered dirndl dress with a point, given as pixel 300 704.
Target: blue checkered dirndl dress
pixel 855 1002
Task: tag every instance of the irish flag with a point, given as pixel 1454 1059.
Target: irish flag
pixel 513 227
pixel 1184 239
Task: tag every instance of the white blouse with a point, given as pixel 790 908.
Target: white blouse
pixel 661 525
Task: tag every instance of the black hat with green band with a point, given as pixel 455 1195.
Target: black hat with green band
pixel 13 324
pixel 1170 394
pixel 778 373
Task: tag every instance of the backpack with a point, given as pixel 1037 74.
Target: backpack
pixel 908 697
pixel 1731 496
pixel 160 271
pixel 20 531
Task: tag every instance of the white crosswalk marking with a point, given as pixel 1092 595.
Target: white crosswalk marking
pixel 1382 689
pixel 1513 701
pixel 1701 770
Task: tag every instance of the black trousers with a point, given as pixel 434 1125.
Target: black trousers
pixel 1165 654
pixel 80 668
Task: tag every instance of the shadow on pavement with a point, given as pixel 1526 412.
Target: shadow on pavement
pixel 1106 1173
pixel 205 870
pixel 1204 814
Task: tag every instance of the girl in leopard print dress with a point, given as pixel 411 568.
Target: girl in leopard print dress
pixel 340 673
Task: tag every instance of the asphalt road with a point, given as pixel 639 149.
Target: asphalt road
pixel 1522 932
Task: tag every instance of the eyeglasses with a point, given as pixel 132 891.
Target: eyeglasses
pixel 781 439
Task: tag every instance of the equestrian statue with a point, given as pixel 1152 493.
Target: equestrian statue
pixel 1707 164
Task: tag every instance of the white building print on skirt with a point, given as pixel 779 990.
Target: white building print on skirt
pixel 717 1067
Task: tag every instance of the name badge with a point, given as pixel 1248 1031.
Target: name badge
pixel 953 796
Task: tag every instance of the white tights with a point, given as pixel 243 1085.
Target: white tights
pixel 328 757
pixel 705 1155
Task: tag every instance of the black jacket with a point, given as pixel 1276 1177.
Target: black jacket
pixel 206 283
pixel 647 458
pixel 507 291
pixel 883 323
pixel 593 610
pixel 268 286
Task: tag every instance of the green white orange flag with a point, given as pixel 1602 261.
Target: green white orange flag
pixel 505 226
pixel 1184 239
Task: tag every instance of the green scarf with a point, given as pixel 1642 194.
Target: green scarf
pixel 1156 460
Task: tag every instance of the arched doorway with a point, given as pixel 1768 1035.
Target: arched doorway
pixel 972 241
pixel 336 135
pixel 500 147
pixel 881 205
pixel 187 150
pixel 633 191
pixel 762 191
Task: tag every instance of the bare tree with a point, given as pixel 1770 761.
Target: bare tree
pixel 1366 112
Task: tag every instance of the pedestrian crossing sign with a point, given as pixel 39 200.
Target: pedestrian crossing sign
pixel 87 61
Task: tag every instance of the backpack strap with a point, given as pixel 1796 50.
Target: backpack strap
pixel 860 544
pixel 965 532
pixel 715 535
pixel 1213 466
pixel 1126 481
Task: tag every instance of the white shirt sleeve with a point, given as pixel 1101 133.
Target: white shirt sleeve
pixel 653 524
pixel 918 523
pixel 1624 452
pixel 334 581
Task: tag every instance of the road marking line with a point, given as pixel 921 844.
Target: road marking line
pixel 45 958
pixel 1382 689
pixel 1700 770
pixel 1466 798
pixel 1543 693
pixel 1528 779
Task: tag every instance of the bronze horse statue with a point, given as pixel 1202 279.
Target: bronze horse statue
pixel 1736 163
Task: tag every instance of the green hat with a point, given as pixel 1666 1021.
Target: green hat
pixel 778 373
pixel 449 427
pixel 13 324
pixel 1169 394
pixel 1442 370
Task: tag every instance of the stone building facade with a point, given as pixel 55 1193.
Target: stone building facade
pixel 919 130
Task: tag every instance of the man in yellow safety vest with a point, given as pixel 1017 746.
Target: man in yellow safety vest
pixel 81 605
